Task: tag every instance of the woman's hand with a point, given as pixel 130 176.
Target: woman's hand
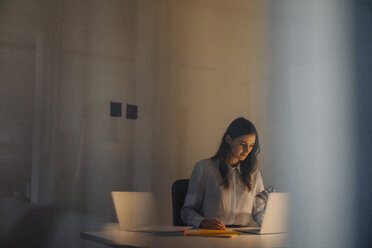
pixel 212 224
pixel 264 195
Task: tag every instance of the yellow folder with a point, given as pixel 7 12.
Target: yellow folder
pixel 212 233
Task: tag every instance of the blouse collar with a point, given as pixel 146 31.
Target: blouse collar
pixel 235 167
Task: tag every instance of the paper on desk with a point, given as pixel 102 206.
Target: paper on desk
pixel 212 233
pixel 159 229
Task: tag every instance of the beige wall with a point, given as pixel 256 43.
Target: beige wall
pixel 18 25
pixel 97 66
pixel 190 66
pixel 208 70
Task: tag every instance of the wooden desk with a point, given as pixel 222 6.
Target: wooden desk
pixel 116 238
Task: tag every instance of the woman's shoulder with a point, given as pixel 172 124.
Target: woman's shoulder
pixel 206 164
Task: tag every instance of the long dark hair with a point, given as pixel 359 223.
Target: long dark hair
pixel 240 126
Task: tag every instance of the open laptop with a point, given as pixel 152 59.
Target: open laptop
pixel 137 211
pixel 276 216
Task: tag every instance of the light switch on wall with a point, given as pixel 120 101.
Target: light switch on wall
pixel 115 109
pixel 132 111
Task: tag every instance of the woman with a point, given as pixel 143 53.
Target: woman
pixel 222 190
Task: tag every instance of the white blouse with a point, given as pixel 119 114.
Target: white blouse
pixel 206 198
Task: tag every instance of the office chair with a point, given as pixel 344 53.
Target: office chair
pixel 179 190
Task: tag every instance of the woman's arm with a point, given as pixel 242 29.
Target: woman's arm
pixel 191 211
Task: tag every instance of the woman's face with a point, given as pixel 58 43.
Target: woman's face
pixel 240 146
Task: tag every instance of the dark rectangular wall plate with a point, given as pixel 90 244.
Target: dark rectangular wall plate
pixel 115 109
pixel 132 111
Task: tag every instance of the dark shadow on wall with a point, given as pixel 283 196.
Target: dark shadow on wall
pixel 362 44
pixel 57 225
pixel 34 229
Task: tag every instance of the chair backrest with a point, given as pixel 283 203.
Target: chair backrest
pixel 179 190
